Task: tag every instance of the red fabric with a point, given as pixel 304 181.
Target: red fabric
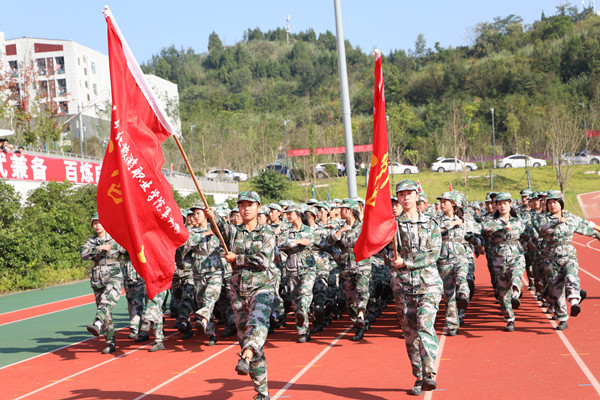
pixel 419 187
pixel 593 133
pixel 450 187
pixel 379 225
pixel 135 201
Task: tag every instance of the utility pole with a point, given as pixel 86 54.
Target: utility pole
pixel 493 136
pixel 287 160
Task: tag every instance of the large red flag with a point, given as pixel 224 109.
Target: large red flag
pixel 379 225
pixel 135 201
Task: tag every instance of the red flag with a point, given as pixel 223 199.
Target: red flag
pixel 135 201
pixel 379 225
pixel 450 186
pixel 419 187
pixel 593 133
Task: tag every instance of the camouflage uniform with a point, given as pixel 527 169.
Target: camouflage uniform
pixel 185 271
pixel 252 290
pixel 280 260
pixel 560 257
pixel 300 271
pixel 323 268
pixel 153 316
pixel 135 288
pixel 106 280
pixel 419 287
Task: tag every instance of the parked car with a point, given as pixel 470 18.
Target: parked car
pixel 581 157
pixel 520 161
pixel 320 170
pixel 227 174
pixel 279 167
pixel 452 164
pixel 397 168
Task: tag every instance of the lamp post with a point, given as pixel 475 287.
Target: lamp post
pixel 287 164
pixel 192 141
pixel 493 136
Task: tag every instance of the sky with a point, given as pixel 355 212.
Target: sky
pixel 150 25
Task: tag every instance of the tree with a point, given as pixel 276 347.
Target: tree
pixel 270 185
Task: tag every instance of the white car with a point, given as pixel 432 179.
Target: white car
pixel 452 164
pixel 521 161
pixel 320 170
pixel 397 168
pixel 227 174
pixel 581 157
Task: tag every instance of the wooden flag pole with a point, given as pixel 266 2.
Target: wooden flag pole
pixel 395 245
pixel 212 221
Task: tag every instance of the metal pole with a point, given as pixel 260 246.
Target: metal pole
pixel 341 50
pixel 80 130
pixel 287 160
pixel 493 136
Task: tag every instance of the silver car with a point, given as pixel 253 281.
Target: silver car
pixel 397 168
pixel 521 161
pixel 452 164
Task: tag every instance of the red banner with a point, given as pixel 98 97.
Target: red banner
pixel 28 167
pixel 593 133
pixel 330 150
pixel 135 201
pixel 379 225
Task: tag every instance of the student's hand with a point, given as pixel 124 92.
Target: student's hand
pixel 399 263
pixel 105 247
pixel 230 257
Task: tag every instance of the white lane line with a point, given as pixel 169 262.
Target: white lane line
pixel 310 364
pixel 45 304
pixel 588 246
pixel 586 371
pixel 85 370
pixel 48 313
pixel 438 358
pixel 184 372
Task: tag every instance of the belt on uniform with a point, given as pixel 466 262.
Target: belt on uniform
pixel 452 240
pixel 106 261
pixel 560 242
pixel 512 241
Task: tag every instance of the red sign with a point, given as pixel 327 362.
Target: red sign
pixel 593 133
pixel 330 150
pixel 45 169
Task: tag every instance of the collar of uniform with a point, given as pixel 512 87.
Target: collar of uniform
pixel 421 219
pixel 258 227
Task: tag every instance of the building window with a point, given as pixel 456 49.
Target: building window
pixel 59 65
pixel 87 85
pixel 64 107
pixel 43 88
pixel 41 66
pixel 95 89
pixel 14 68
pixel 78 61
pixel 62 87
pixel 93 67
pixel 88 96
pixel 85 71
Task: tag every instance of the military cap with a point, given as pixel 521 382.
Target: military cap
pixel 503 196
pixel 264 210
pixel 222 212
pixel 544 194
pixel 311 209
pixel 407 184
pixel 197 206
pixel 323 204
pixel 526 192
pixel 447 196
pixel 351 204
pixel 95 216
pixel 283 203
pixel 334 204
pixel 293 207
pixel 312 201
pixel 536 195
pixel 394 198
pixel 359 200
pixel 337 201
pixel 249 196
pixel 275 206
pixel 554 195
pixel 460 198
pixel 235 209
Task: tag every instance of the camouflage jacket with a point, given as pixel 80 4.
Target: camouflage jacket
pixel 106 263
pixel 345 244
pixel 299 257
pixel 254 266
pixel 453 237
pixel 184 259
pixel 322 257
pixel 419 244
pixel 505 243
pixel 130 275
pixel 558 235
pixel 204 247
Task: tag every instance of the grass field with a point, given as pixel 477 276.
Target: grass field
pixel 585 178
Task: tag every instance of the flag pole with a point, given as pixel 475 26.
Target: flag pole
pixel 187 163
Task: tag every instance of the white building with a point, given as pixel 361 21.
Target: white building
pixel 76 79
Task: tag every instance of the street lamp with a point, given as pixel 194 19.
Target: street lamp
pixel 493 136
pixel 287 164
pixel 192 140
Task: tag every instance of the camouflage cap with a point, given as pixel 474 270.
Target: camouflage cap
pixel 351 204
pixel 323 204
pixel 502 196
pixel 312 201
pixel 460 198
pixel 359 200
pixel 447 196
pixel 554 195
pixel 544 194
pixel 337 201
pixel 311 209
pixel 293 208
pixel 407 184
pixel 249 196
pixel 235 209
pixel 394 198
pixel 264 210
pixel 223 212
pixel 333 204
pixel 535 195
pixel 526 192
pixel 275 206
pixel 197 206
pixel 95 216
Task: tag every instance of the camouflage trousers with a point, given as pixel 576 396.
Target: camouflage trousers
pixel 508 273
pixel 335 291
pixel 321 287
pixel 208 290
pixel 398 298
pixel 153 315
pixel 106 298
pixel 302 282
pixel 224 304
pixel 421 339
pixel 563 283
pixel 379 287
pixel 187 302
pixel 454 278
pixel 175 294
pixel 355 285
pixel 252 321
pixel 278 303
pixel 135 292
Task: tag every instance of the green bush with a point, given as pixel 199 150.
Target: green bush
pixel 271 186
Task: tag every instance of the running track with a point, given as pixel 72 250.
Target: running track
pixel 482 362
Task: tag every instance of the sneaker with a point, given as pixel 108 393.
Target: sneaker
pixel 319 315
pixel 183 326
pixel 243 366
pixel 212 340
pixel 304 338
pixel 575 310
pixel 261 396
pixel 188 334
pixel 133 335
pixel 463 302
pixel 146 326
pixel 515 302
pixel 201 325
pixel 452 332
pixel 428 384
pixel 142 337
pixel 510 327
pixel 360 322
pixel 299 318
pixel 562 325
pixel 93 329
pixel 157 346
pixel 583 295
pixel 317 328
pixel 110 348
pixel 360 333
pixel 416 389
